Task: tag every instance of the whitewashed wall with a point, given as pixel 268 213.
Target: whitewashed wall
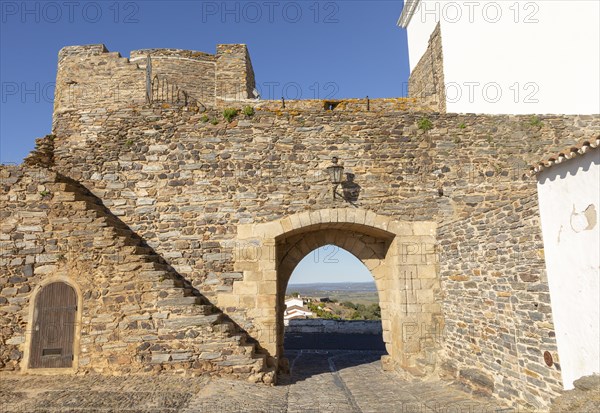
pixel 514 57
pixel 571 246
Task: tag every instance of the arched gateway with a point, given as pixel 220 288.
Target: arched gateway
pixel 400 255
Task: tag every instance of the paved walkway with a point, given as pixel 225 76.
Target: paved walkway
pixel 322 381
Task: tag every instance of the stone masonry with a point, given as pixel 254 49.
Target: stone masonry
pixel 179 229
pixel 426 80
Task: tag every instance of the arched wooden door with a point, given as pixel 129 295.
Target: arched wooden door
pixel 53 329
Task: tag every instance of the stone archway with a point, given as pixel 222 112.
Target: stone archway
pixel 400 255
pixel 369 245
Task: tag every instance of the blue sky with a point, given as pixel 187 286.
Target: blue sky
pixel 318 48
pixel 330 264
pixel 299 49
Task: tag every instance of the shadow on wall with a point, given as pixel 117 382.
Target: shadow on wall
pixel 350 189
pixel 186 284
pixel 571 168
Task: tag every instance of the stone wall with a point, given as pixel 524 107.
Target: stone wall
pixel 137 315
pixel 235 76
pixel 426 81
pixel 496 305
pixel 186 185
pixel 94 78
pixel 226 208
pixel 192 71
pixel 334 326
pixel 91 77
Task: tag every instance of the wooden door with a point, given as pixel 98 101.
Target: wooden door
pixel 53 327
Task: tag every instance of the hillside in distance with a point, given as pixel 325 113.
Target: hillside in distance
pixel 360 293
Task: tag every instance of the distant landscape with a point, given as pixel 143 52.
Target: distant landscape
pixel 359 293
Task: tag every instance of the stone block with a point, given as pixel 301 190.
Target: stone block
pixel 245 287
pixel 427 271
pixel 477 378
pixel 360 216
pixel 192 321
pixel 247 301
pixel 266 301
pixel 304 219
pixel 228 300
pixel 401 228
pixel 179 302
pixel 45 269
pixel 16 340
pixel 158 358
pixel 186 356
pixel 425 228
pixel 269 230
pixel 267 287
pixel 209 356
pixel 286 224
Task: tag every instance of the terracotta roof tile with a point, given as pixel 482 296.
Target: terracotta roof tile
pixel 565 155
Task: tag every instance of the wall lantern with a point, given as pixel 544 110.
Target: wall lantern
pixel 335 172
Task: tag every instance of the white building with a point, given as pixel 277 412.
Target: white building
pixel 505 57
pixel 569 201
pixel 294 309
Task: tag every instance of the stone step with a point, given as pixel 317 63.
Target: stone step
pixel 233 360
pixel 159 265
pixel 144 258
pixel 65 197
pixel 123 232
pixel 165 293
pixel 261 358
pixel 180 302
pixel 101 222
pixel 183 322
pixel 136 250
pixel 127 242
pixel 78 205
pixel 169 283
pixel 190 310
pixel 66 187
pixel 232 338
pixel 171 357
pixel 154 275
pixel 228 328
pixel 249 349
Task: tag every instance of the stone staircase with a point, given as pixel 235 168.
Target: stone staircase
pixel 177 329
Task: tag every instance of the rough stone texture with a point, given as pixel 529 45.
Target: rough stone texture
pixel 496 294
pixel 43 154
pixel 584 398
pixel 188 187
pixel 227 209
pixel 138 314
pixel 92 77
pixel 323 381
pixel 426 81
pixel 318 325
pixel 192 71
pixel 234 75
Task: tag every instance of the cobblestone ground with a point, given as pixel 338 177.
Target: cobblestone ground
pixel 321 381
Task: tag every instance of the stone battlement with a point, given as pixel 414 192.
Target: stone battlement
pixel 90 76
